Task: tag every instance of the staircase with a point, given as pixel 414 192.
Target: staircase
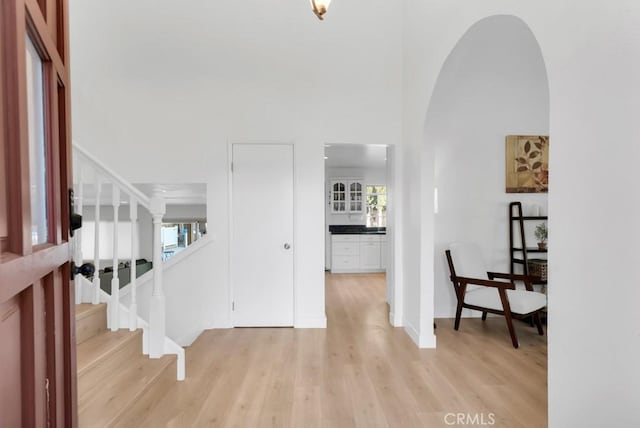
pixel 115 379
pixel 114 343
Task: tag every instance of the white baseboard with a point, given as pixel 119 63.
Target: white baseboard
pixel 395 320
pixel 305 322
pixel 423 341
pixel 220 323
pixel 310 322
pixel 188 339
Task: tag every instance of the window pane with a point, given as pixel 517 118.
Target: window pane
pixel 37 147
pixel 376 206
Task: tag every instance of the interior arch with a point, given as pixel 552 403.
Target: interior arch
pixel 493 84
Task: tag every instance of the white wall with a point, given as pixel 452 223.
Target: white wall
pixel 493 84
pixel 145 233
pixel 591 54
pixel 185 286
pixel 185 213
pixel 106 242
pixel 155 80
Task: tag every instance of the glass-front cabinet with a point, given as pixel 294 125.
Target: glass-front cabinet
pixel 355 197
pixel 347 196
pixel 338 196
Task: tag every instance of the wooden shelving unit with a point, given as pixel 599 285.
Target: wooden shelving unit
pixel 520 255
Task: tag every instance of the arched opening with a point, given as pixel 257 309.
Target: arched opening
pixel 493 84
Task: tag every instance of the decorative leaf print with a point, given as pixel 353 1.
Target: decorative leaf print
pixel 527 164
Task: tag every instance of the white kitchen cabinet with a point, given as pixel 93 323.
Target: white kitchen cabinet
pixel 370 256
pixel 338 196
pixel 345 253
pixel 347 195
pixel 383 252
pixel 356 196
pixel 357 253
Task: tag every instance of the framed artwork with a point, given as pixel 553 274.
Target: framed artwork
pixel 527 163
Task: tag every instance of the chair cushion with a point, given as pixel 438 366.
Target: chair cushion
pixel 468 262
pixel 521 301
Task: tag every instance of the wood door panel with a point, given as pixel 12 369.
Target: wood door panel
pixel 37 327
pixel 18 273
pixel 12 14
pixel 34 358
pixel 10 361
pixel 55 338
pixel 4 210
pixel 4 213
pixel 69 342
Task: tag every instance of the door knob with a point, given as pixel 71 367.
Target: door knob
pixel 287 246
pixel 87 270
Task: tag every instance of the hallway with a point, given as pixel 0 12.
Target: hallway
pixel 358 372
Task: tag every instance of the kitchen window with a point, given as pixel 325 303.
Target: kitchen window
pixel 376 206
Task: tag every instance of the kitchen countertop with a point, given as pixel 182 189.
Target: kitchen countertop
pixel 351 229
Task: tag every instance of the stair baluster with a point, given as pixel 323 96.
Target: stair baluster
pixel 133 307
pixel 115 281
pixel 157 321
pixel 77 253
pixel 96 245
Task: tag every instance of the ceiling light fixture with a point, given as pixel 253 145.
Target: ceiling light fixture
pixel 320 7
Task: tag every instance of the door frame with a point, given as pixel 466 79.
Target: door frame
pixel 394 240
pixel 394 286
pixel 230 286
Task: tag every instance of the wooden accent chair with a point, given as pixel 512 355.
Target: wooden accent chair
pixel 478 289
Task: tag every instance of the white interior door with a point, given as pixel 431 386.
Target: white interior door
pixel 262 235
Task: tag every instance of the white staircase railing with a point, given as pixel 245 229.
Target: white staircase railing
pixel 89 170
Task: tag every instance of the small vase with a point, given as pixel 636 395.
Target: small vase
pixel 542 245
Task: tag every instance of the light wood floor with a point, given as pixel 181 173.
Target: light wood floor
pixel 359 372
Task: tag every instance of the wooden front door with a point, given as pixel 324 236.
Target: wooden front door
pixel 37 330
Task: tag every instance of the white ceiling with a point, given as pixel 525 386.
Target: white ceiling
pixel 355 155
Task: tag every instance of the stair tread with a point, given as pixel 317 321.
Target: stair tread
pixel 127 381
pixel 99 347
pixel 84 310
pixel 91 320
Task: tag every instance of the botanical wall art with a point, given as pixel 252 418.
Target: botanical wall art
pixel 527 163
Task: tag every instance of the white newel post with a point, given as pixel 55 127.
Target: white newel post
pixel 157 309
pixel 78 233
pixel 133 307
pixel 96 246
pixel 115 281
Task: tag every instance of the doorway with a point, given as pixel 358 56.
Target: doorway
pixel 262 246
pixel 359 217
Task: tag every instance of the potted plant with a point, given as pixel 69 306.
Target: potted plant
pixel 541 234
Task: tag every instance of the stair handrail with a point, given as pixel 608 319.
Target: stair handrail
pixel 113 176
